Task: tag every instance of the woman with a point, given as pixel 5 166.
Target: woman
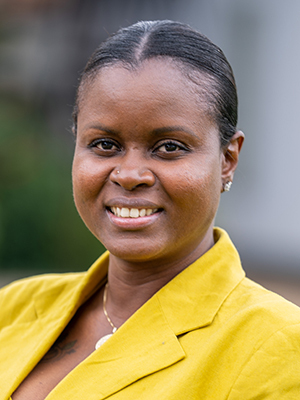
pixel 168 312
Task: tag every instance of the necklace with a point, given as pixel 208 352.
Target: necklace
pixel 114 328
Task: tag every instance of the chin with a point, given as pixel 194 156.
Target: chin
pixel 134 252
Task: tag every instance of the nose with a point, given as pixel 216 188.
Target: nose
pixel 132 173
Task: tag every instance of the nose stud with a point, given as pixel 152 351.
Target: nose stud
pixel 118 171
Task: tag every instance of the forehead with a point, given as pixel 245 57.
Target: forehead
pixel 155 79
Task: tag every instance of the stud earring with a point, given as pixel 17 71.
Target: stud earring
pixel 227 186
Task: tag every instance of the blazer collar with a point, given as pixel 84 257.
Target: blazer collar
pixel 132 353
pixel 196 294
pixel 199 291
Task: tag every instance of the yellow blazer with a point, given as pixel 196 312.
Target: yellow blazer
pixel 210 333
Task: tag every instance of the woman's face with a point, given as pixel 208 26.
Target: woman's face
pixel 147 171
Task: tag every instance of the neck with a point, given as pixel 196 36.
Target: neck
pixel 131 284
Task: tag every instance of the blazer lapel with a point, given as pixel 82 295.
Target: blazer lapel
pixel 28 340
pixel 142 346
pixel 32 331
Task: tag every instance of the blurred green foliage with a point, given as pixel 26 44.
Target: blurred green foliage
pixel 40 229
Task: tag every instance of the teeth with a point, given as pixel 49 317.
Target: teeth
pixel 142 212
pixel 124 212
pixel 132 212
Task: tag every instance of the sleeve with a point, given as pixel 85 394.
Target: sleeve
pixel 273 371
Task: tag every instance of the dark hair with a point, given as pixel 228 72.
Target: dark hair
pixel 189 48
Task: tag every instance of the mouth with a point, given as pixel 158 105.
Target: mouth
pixel 124 212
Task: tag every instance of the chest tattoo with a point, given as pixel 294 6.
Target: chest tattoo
pixel 60 349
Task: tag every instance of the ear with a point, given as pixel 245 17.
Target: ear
pixel 231 157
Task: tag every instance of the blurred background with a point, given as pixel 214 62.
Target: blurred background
pixel 44 44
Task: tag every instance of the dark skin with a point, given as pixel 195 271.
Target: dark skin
pixel 151 145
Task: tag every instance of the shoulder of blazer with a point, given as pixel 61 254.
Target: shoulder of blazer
pixel 16 297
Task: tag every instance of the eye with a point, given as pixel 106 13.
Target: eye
pixel 105 145
pixel 170 148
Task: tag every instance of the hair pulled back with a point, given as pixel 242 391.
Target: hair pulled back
pixel 148 39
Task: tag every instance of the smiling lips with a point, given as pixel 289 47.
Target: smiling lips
pixel 125 212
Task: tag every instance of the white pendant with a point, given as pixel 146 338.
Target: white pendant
pixel 102 340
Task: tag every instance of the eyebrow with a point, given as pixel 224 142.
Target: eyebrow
pixel 100 127
pixel 167 129
pixel 158 131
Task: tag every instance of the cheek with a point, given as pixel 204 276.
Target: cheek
pixel 87 179
pixel 197 192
